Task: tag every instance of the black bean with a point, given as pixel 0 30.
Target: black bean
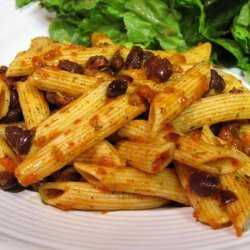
pixel 59 100
pixel 3 69
pixel 157 69
pixel 227 197
pixel 116 62
pixel 135 58
pixel 7 180
pixel 203 184
pixel 13 115
pixel 14 101
pixel 99 63
pixel 216 82
pixel 12 134
pixel 20 140
pixel 70 66
pixel 24 142
pixel 117 88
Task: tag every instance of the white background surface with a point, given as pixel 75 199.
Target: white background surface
pixel 26 223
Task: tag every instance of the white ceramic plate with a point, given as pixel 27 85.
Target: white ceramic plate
pixel 26 223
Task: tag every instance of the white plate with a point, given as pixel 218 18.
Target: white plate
pixel 26 223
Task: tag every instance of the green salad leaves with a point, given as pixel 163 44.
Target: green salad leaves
pixel 166 24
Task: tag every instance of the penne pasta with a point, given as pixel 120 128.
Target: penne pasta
pixel 232 83
pixel 84 196
pixel 27 61
pixel 136 130
pixel 214 109
pixel 239 210
pixel 34 107
pixel 102 153
pixel 208 136
pixel 207 157
pixel 148 157
pixel 130 180
pixel 201 53
pixel 53 79
pixel 168 104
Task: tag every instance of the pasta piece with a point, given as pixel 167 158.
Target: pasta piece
pixel 84 196
pixel 130 180
pixel 206 209
pixel 71 115
pixel 148 157
pixel 136 130
pixel 3 127
pixel 102 153
pixel 169 104
pixel 232 83
pixel 213 109
pixel 207 157
pixel 239 210
pixel 208 136
pixel 33 104
pixel 4 98
pixel 8 160
pixel 27 61
pixel 236 182
pixel 198 54
pixel 53 79
pixel 81 136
